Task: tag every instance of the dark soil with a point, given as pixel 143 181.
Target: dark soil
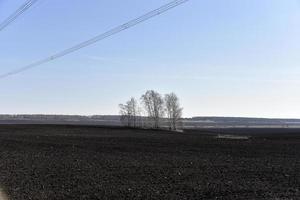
pixel 48 162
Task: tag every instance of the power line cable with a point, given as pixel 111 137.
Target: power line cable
pixel 102 36
pixel 17 13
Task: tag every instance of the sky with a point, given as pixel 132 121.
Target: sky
pixel 222 58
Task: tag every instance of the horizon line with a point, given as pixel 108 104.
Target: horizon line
pixel 203 116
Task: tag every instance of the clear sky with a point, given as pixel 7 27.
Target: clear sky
pixel 222 58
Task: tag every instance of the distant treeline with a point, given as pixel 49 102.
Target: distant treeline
pixel 59 117
pixel 144 121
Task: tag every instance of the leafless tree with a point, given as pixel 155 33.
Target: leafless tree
pixel 154 106
pixel 130 112
pixel 173 110
pixel 124 112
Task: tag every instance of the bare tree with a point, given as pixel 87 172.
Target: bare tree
pixel 130 112
pixel 173 109
pixel 154 106
pixel 124 112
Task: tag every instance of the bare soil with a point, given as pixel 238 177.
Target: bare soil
pixel 49 162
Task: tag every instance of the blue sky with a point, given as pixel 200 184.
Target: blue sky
pixel 222 58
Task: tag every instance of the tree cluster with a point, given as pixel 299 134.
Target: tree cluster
pixel 154 110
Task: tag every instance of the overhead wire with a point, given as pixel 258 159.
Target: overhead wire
pixel 97 38
pixel 16 14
